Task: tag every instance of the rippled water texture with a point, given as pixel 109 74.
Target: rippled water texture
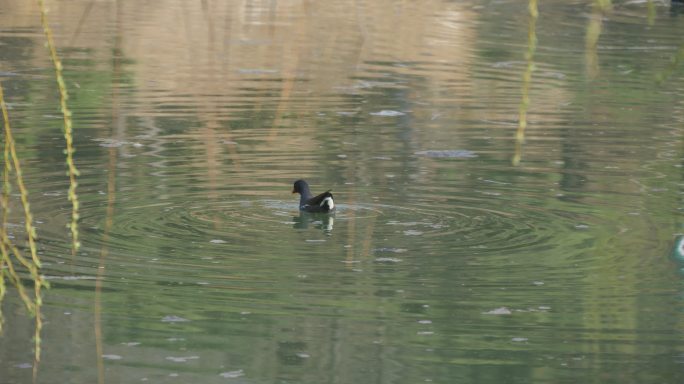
pixel 444 262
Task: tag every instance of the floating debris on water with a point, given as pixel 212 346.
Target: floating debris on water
pixel 174 319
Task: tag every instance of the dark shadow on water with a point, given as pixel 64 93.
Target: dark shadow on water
pixel 322 221
pixel 676 8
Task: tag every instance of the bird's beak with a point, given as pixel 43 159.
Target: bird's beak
pixel 293 191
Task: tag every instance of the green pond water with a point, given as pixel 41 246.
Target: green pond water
pixel 444 263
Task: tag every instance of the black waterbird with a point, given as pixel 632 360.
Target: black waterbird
pixel 322 203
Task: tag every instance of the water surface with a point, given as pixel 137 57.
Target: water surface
pixel 444 262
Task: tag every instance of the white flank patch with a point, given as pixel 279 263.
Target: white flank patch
pixel 329 201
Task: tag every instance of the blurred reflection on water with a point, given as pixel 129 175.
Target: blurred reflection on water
pixel 444 263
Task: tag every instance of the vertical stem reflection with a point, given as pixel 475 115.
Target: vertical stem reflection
pixel 111 198
pixel 594 29
pixel 527 79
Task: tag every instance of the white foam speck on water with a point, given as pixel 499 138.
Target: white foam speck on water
pixel 315 241
pixel 256 71
pixel 113 143
pixel 488 193
pixel 218 241
pixel 425 333
pixel 387 113
pixel 581 226
pixel 131 343
pixel 24 365
pixel 393 250
pixel 181 359
pixel 447 153
pixel 498 311
pixel 538 283
pixel 519 339
pixel 69 278
pixel 303 355
pixel 387 260
pixel 412 232
pixel 174 319
pixel 233 374
pixel 493 181
pixel 424 321
pixel 112 357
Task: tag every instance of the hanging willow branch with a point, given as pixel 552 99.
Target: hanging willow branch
pixel 7 249
pixel 68 136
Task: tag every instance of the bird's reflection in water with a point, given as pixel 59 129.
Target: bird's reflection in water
pixel 321 221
